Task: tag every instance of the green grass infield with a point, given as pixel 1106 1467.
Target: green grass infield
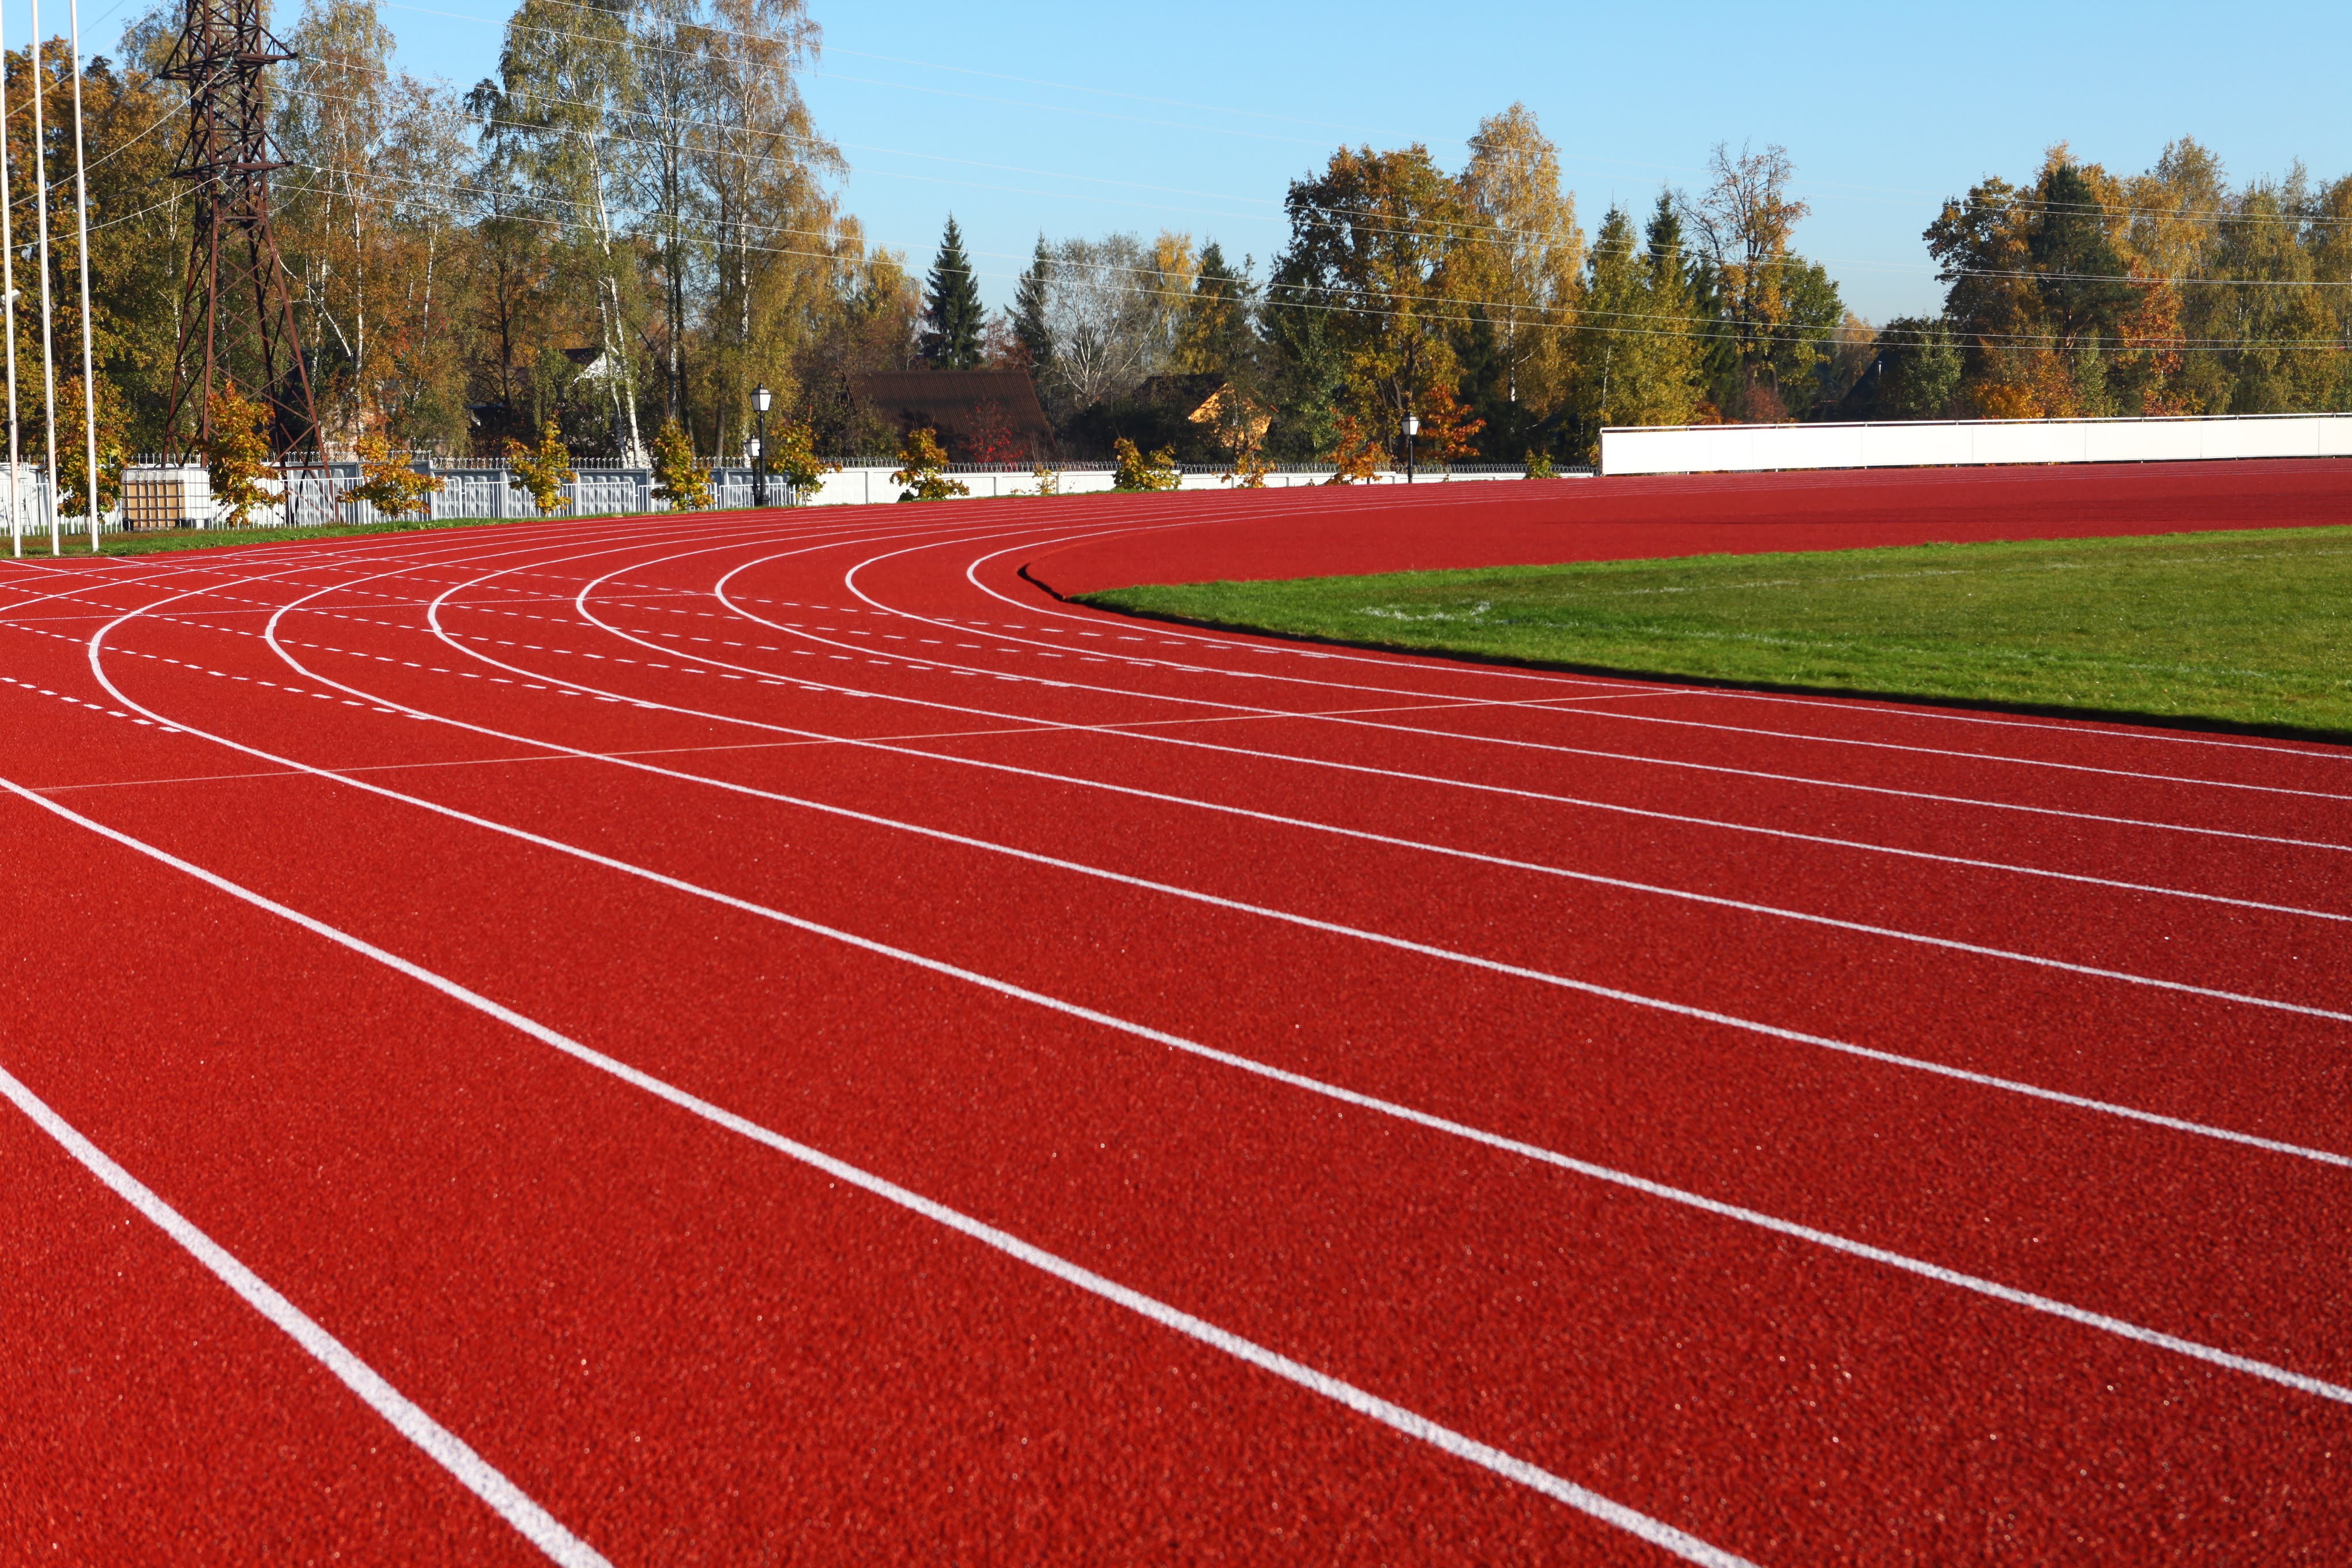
pixel 2247 630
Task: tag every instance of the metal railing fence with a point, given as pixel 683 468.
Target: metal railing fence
pixel 486 489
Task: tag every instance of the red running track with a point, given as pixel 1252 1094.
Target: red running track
pixel 768 1036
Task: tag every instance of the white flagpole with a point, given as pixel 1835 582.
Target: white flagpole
pixel 41 221
pixel 8 305
pixel 81 224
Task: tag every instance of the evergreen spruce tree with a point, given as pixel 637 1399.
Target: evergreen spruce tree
pixel 1029 327
pixel 952 311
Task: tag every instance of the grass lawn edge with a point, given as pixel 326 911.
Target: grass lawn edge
pixel 1103 599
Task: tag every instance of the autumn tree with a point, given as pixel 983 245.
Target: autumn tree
pixel 1779 309
pixel 1527 253
pixel 331 130
pixel 786 264
pixel 663 114
pixel 543 471
pixel 922 469
pixel 237 455
pixel 2041 290
pixel 863 322
pixel 1216 331
pixel 680 481
pixel 566 79
pixel 365 224
pixel 73 451
pixel 1380 249
pixel 2079 276
pixel 2267 305
pixel 137 244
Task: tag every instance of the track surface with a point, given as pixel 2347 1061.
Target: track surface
pixel 768 1038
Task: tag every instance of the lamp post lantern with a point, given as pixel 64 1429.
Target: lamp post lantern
pixel 1412 429
pixel 760 398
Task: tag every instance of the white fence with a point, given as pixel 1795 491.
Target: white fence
pixel 865 484
pixel 317 499
pixel 32 506
pixel 491 492
pixel 1749 449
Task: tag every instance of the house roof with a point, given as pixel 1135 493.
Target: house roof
pixel 957 402
pixel 1183 393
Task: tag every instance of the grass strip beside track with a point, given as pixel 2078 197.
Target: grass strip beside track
pixel 2245 629
pixel 36 546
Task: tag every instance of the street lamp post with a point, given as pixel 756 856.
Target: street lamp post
pixel 1412 429
pixel 760 398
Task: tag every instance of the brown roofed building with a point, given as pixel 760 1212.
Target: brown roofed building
pixel 982 415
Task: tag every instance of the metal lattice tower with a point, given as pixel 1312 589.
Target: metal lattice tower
pixel 236 318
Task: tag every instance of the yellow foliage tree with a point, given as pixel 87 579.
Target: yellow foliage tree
pixel 236 455
pixel 796 460
pixel 543 471
pixel 1526 255
pixel 921 462
pixel 680 481
pixel 1384 244
pixel 389 483
pixel 1138 472
pixel 73 452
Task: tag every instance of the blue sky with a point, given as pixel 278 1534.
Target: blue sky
pixel 1080 118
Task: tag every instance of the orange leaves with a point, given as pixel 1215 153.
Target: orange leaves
pixel 1447 430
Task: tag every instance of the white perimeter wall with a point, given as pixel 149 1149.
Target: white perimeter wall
pixel 1748 448
pixel 860 487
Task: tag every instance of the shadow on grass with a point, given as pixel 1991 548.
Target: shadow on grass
pixel 2190 721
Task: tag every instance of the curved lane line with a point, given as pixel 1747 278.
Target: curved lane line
pixel 2286 1377
pixel 1396 1418
pixel 443 1447
pixel 1403 657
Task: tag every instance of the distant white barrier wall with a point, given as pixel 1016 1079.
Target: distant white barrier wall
pixel 863 485
pixel 168 496
pixel 1752 449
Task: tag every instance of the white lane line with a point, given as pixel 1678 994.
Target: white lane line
pixel 2085 1316
pixel 1799 735
pixel 1058 608
pixel 850 582
pixel 1455 956
pixel 1139 732
pixel 1886 1058
pixel 549 1536
pixel 1623 884
pixel 445 1447
pixel 1239 711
